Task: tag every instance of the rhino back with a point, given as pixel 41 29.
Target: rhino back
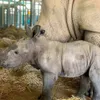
pixel 86 15
pixel 76 58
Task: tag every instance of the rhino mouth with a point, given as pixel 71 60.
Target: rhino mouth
pixel 5 65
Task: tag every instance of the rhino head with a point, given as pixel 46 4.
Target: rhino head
pixel 18 53
pixel 22 51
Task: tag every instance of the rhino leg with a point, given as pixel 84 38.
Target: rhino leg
pixel 96 87
pixel 48 82
pixel 95 78
pixel 90 91
pixel 94 75
pixel 93 38
pixel 84 86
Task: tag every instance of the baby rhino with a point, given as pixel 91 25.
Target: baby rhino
pixel 56 59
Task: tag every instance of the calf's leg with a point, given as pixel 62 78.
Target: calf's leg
pixel 84 86
pixel 48 82
pixel 95 78
pixel 94 75
pixel 94 38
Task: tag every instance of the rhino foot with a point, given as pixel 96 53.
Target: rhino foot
pixel 42 97
pixel 82 97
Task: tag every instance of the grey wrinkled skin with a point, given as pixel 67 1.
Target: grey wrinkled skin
pixel 71 20
pixel 57 59
pixel 84 80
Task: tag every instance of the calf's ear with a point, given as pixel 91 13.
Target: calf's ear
pixel 36 30
pixel 29 32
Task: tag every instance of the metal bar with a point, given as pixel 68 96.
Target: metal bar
pixel 3 22
pixel 8 18
pixel 15 14
pixel 31 7
pixel 25 14
pixel 34 13
pixel 20 14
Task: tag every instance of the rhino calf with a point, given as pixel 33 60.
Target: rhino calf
pixel 56 59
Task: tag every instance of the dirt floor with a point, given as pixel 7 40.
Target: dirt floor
pixel 23 85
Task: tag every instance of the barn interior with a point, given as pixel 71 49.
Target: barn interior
pixel 25 82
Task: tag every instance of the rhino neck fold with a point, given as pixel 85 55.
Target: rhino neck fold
pixel 53 19
pixel 69 21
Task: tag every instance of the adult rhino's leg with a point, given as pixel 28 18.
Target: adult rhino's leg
pixel 48 82
pixel 92 37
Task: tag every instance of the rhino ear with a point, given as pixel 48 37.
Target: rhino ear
pixel 36 30
pixel 28 31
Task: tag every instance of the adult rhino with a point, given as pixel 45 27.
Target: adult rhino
pixel 56 59
pixel 64 20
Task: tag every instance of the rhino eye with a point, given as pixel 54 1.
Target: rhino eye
pixel 16 52
pixel 42 31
